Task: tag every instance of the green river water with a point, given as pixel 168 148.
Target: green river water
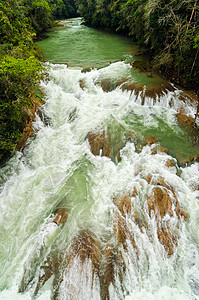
pixel 104 249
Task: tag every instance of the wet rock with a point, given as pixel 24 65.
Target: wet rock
pixel 61 216
pixel 150 140
pixel 108 276
pixel 84 260
pixel 107 149
pixel 96 142
pixel 169 163
pixel 27 130
pixel 158 90
pixel 188 123
pixel 106 85
pixel 82 84
pixel 139 220
pixel 26 133
pixel 162 202
pixel 167 239
pixel 133 87
pixel 159 149
pixel 113 266
pixel 187 161
pixel 50 267
pixel 121 229
pixel 151 91
pixel 188 97
pixel 85 248
pixel 130 136
pixel 123 203
pixel 109 143
pixel 185 120
pixel 135 191
pixel 86 70
pixel 100 144
pixel 195 158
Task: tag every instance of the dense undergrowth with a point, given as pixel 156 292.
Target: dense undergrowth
pixel 21 22
pixel 168 28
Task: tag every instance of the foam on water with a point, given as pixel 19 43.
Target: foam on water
pixel 58 169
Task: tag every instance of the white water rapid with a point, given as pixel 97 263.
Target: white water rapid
pixel 58 170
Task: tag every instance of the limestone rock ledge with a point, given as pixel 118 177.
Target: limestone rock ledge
pixel 27 129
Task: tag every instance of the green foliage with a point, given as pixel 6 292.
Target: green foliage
pixel 196 42
pixel 14 25
pixel 20 68
pixel 17 82
pixel 168 28
pixel 63 8
pixel 39 14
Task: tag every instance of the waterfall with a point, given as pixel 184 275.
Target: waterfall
pixel 92 209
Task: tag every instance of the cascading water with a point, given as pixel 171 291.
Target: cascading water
pixel 90 211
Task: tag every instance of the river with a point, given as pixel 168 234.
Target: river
pixel 101 204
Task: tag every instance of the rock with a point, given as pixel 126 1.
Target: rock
pixel 99 143
pixel 159 149
pixel 106 85
pixel 133 87
pixel 152 91
pixel 185 120
pixel 96 142
pixel 163 201
pixel 130 136
pixel 82 83
pixel 26 133
pixel 27 129
pixel 169 163
pixel 50 266
pixel 150 140
pixel 123 203
pixel 85 70
pixel 61 216
pixel 108 276
pixel 189 123
pixel 114 267
pixel 135 191
pixel 107 144
pixel 86 247
pixel 107 149
pixel 121 229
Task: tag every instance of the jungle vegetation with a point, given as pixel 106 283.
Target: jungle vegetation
pixel 21 23
pixel 168 28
